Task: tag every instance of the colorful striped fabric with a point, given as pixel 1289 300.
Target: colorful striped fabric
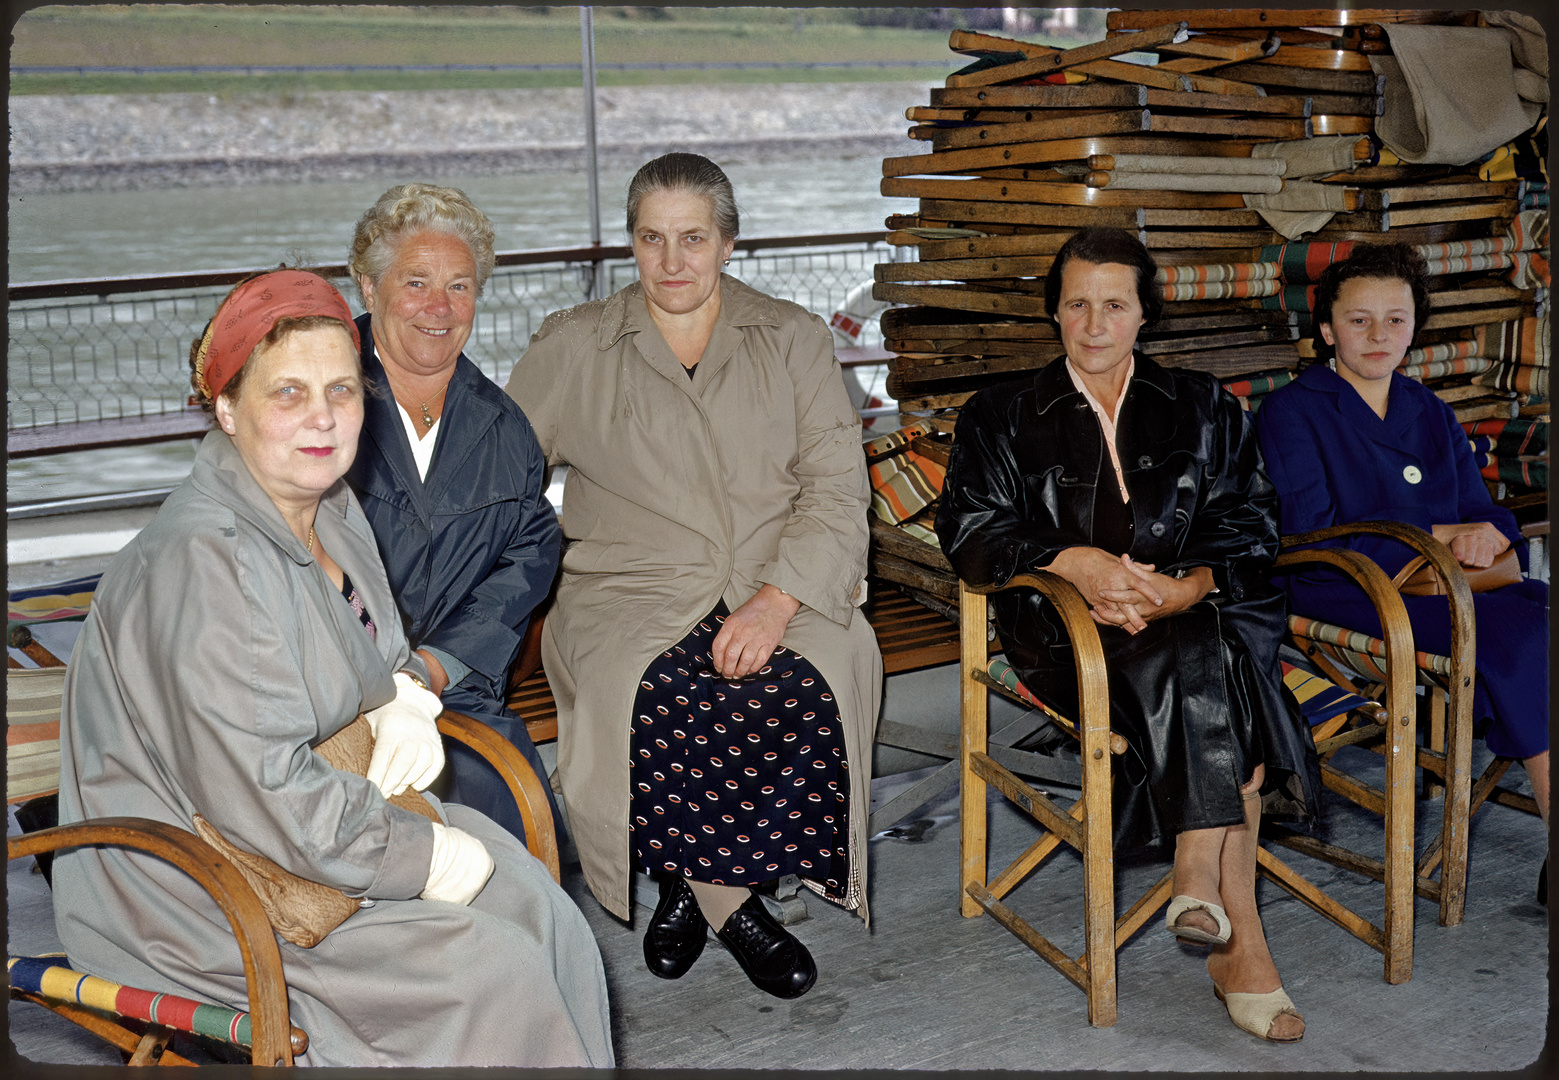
pixel 1302 261
pixel 1519 378
pixel 904 485
pixel 43 976
pixel 1254 271
pixel 1439 369
pixel 1319 698
pixel 45 603
pixel 1520 436
pixel 1255 385
pixel 1445 350
pixel 1297 298
pixel 1002 672
pixel 1518 341
pixel 32 732
pixel 1357 651
pixel 1222 290
pixel 1527 472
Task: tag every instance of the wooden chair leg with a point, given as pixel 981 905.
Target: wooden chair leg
pixel 1098 850
pixel 1458 797
pixel 1435 738
pixel 975 729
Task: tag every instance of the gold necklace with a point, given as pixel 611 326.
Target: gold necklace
pixel 427 417
pixel 310 545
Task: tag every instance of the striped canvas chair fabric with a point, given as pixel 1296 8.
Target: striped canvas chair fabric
pixel 50 977
pixel 1355 651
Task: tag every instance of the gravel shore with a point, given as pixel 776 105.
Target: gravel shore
pixel 68 143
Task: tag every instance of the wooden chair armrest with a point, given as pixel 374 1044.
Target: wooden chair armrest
pixel 1436 553
pixel 541 838
pixel 1092 683
pixel 269 1026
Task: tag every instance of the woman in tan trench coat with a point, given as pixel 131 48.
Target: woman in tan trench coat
pixel 714 519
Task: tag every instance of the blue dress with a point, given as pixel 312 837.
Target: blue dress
pixel 1334 461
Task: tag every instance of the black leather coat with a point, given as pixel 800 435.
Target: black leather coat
pixel 1198 695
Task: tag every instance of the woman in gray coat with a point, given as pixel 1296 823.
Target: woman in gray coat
pixel 250 621
pixel 717 685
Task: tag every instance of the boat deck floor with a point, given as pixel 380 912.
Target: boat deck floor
pixel 926 989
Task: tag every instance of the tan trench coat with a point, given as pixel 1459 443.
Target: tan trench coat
pixel 681 492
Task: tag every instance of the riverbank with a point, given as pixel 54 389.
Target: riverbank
pixel 115 141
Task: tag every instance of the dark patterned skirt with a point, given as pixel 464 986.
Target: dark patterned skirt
pixel 738 783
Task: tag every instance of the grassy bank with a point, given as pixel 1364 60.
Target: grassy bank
pixel 199 35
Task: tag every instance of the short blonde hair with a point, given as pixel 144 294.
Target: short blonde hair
pixel 412 208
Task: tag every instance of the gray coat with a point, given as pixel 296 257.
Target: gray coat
pixel 682 492
pixel 216 653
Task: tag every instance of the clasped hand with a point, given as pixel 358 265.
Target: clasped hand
pixel 407 749
pixel 1125 593
pixel 1475 544
pixel 752 632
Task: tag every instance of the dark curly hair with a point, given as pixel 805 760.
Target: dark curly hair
pixel 1105 245
pixel 1392 262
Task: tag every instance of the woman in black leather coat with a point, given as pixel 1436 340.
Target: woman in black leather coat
pixel 1143 487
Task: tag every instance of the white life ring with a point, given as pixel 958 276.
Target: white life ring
pixel 858 309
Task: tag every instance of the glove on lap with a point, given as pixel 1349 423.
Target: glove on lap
pixel 460 866
pixel 407 749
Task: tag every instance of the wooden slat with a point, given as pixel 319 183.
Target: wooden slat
pixel 1066 217
pixel 963 269
pixel 993 246
pixel 1054 194
pixel 1436 191
pixel 1322 82
pixel 1075 96
pixel 1341 125
pixel 1225 51
pixel 1317 59
pixel 1043 60
pixel 960 299
pixel 1064 126
pixel 1062 150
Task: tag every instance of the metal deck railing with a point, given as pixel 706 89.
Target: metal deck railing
pixel 103 349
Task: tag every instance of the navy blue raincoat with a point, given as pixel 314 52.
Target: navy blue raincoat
pixel 470 551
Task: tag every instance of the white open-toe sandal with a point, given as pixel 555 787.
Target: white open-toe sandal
pixel 1182 904
pixel 1256 1013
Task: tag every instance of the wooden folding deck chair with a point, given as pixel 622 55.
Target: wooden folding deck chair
pixel 1361 662
pixel 1087 824
pixel 143 1024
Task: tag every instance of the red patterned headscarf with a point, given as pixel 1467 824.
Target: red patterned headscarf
pixel 249 313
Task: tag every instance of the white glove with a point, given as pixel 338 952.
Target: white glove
pixel 460 867
pixel 407 749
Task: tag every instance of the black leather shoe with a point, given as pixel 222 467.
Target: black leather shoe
pixel 775 961
pixel 677 930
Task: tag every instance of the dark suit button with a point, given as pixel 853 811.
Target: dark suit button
pixel 1144 461
pixel 1157 528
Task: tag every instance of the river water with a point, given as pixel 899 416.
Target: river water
pixel 114 233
